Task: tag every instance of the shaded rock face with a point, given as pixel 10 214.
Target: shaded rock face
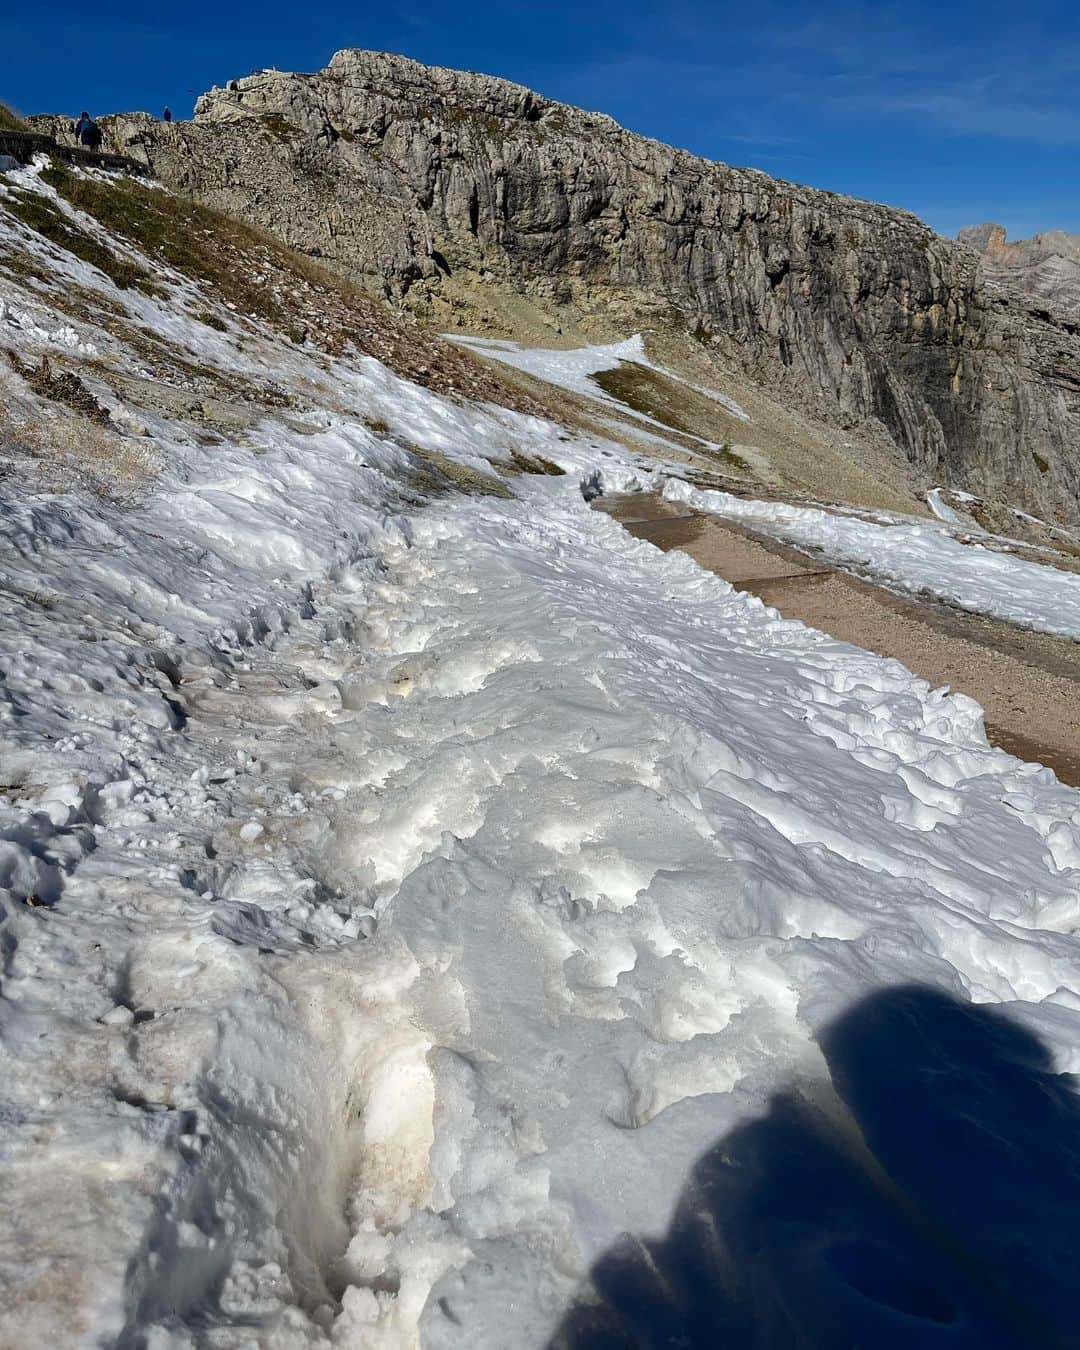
pixel 1046 265
pixel 404 173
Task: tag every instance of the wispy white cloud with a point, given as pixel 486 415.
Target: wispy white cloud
pixel 1001 102
pixel 754 79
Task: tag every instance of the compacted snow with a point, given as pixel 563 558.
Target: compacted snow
pixel 408 909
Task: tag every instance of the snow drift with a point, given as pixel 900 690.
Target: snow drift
pixel 405 897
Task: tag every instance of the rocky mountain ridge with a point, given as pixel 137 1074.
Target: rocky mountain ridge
pixel 439 186
pixel 1047 265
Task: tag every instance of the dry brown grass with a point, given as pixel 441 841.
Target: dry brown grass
pixel 687 412
pixel 11 121
pixel 60 386
pixel 41 215
pixel 526 463
pixel 255 276
pixel 191 239
pixel 439 474
pixel 60 452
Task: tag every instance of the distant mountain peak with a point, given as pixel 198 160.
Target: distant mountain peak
pixel 983 237
pixel 1047 265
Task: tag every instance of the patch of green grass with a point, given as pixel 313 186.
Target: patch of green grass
pixel 45 218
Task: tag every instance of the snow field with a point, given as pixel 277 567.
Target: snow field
pixel 144 1031
pixel 398 903
pixel 619 839
pixel 632 918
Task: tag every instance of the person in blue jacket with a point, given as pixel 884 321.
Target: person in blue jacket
pixel 87 132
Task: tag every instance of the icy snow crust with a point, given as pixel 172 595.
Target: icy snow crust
pixel 572 369
pixel 941 509
pixel 920 557
pixel 397 905
pixel 568 368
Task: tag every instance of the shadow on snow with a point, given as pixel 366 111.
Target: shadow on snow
pixel 936 1204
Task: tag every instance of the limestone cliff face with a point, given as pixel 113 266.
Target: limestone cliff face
pixel 1046 265
pixel 854 311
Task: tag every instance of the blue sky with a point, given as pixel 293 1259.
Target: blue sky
pixel 960 112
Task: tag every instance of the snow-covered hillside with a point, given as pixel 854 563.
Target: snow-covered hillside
pixel 416 899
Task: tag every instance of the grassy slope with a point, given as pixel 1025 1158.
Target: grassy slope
pixel 251 275
pixel 42 215
pixel 10 121
pixel 257 276
pixel 145 238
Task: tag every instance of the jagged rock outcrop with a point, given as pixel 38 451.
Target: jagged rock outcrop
pixel 1046 265
pixel 411 174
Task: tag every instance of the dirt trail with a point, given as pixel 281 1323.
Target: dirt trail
pixel 1028 683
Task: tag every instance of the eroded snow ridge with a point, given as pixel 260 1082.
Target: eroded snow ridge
pixel 920 557
pixel 409 909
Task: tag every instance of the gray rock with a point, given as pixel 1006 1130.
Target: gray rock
pixel 1046 265
pixel 850 311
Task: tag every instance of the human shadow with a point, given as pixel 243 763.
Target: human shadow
pixel 932 1200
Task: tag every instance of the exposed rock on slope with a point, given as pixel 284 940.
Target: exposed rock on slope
pixel 433 179
pixel 1046 265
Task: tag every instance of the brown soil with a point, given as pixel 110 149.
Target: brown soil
pixel 1028 683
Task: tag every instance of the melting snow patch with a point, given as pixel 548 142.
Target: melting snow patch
pixel 941 509
pixel 400 908
pixel 39 331
pixel 914 557
pixel 571 368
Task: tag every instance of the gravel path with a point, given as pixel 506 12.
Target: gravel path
pixel 1028 683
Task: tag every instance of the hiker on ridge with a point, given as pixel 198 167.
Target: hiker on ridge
pixel 87 132
pixel 166 116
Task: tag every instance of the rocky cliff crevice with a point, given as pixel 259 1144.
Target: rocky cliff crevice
pixel 414 175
